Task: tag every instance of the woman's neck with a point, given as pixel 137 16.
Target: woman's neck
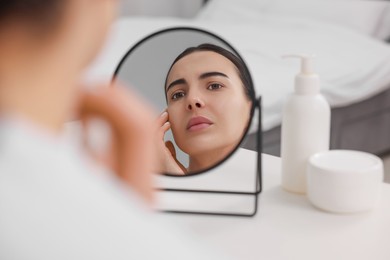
pixel 41 92
pixel 209 158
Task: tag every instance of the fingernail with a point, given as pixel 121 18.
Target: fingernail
pixel 164 114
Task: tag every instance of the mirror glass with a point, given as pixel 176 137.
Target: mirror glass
pixel 203 91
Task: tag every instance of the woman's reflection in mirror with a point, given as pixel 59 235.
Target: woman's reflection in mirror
pixel 208 93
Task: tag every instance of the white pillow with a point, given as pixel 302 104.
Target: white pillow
pixel 383 30
pixel 360 15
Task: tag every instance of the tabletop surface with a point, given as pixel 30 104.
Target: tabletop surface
pixel 287 226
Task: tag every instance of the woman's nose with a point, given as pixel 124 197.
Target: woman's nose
pixel 195 103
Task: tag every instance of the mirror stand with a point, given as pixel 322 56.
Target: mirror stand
pixel 223 201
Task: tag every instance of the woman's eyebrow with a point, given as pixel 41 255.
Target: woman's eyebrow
pixel 202 76
pixel 211 74
pixel 176 82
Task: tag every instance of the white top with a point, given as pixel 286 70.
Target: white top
pixel 54 204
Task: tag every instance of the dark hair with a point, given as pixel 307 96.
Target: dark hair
pixel 40 14
pixel 241 68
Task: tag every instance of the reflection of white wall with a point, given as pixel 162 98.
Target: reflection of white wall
pixel 179 8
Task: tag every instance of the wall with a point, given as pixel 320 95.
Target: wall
pixel 178 8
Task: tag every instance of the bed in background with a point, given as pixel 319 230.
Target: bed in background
pixel 363 126
pixel 360 123
pixel 348 38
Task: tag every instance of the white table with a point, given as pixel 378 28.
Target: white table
pixel 287 226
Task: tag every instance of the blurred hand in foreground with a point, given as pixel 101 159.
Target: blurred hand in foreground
pixel 130 153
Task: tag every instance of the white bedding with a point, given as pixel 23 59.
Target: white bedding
pixel 352 66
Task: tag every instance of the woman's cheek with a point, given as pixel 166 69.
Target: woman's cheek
pixel 178 134
pixel 173 119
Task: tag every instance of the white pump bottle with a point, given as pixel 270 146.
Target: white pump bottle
pixel 305 126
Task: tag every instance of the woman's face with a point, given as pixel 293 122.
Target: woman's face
pixel 207 106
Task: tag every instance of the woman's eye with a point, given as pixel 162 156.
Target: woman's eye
pixel 214 86
pixel 178 95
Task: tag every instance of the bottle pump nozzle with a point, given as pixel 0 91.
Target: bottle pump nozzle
pixel 306 82
pixel 306 62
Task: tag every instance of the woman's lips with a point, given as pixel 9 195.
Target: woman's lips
pixel 198 123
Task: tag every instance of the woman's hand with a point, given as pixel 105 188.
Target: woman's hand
pixel 166 153
pixel 130 154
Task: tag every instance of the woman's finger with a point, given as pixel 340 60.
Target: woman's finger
pixel 163 129
pixel 172 150
pixel 162 118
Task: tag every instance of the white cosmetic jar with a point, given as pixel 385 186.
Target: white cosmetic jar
pixel 344 181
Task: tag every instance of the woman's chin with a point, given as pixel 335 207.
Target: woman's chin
pixel 200 148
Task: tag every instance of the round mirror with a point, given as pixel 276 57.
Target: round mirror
pixel 203 90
